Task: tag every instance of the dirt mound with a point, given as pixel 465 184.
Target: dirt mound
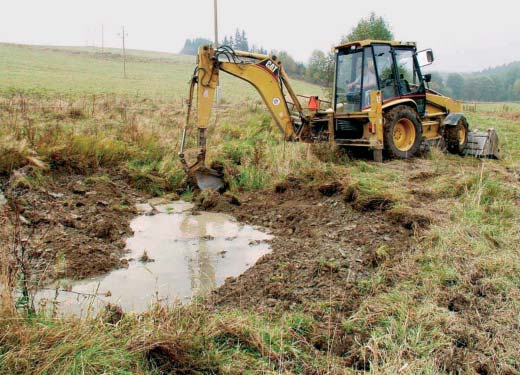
pixel 329 189
pixel 177 358
pixel 411 218
pixel 75 226
pixel 212 200
pixel 373 203
pixel 321 247
pixel 290 183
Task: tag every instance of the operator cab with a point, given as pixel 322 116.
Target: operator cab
pixel 391 67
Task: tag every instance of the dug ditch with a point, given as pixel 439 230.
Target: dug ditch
pixel 322 246
pixel 174 255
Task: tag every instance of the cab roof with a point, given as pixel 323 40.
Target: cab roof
pixel 367 42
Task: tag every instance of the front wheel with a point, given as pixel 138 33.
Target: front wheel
pixel 402 132
pixel 456 137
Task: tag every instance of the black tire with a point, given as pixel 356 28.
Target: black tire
pixel 394 120
pixel 456 137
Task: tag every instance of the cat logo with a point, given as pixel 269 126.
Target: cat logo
pixel 270 66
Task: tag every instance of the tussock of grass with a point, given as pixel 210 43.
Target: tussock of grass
pixel 42 346
pixel 15 153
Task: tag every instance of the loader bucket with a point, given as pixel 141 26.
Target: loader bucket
pixel 207 179
pixel 483 144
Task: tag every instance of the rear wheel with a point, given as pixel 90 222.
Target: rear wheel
pixel 456 137
pixel 402 132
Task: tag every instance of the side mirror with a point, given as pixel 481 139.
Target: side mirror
pixel 427 78
pixel 429 56
pixel 425 57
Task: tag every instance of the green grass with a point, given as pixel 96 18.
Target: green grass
pixel 508 132
pixel 76 71
pixel 495 107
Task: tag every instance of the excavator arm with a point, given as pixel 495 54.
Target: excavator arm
pixel 263 72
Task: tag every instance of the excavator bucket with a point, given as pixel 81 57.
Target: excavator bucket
pixel 199 176
pixel 483 144
pixel 207 179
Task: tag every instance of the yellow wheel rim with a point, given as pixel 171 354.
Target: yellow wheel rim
pixel 462 135
pixel 404 134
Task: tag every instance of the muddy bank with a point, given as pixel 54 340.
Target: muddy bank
pixel 173 256
pixel 326 237
pixel 322 246
pixel 72 226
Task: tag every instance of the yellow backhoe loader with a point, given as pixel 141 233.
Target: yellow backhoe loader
pixel 381 101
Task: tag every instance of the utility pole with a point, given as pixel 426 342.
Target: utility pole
pixel 123 35
pixel 215 7
pixel 216 22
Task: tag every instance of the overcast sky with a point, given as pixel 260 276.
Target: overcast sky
pixel 464 35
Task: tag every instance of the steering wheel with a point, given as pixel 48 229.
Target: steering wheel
pixel 387 82
pixel 353 96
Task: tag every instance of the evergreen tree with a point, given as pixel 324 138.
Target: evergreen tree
pixel 238 39
pixel 238 42
pixel 244 42
pixel 191 46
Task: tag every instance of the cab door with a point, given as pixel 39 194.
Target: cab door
pixel 386 72
pixel 410 82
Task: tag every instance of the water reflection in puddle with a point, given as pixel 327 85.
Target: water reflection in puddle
pixel 192 255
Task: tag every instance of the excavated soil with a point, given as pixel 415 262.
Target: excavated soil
pixel 323 244
pixel 71 226
pixel 327 238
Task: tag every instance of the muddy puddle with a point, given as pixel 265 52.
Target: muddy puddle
pixel 188 254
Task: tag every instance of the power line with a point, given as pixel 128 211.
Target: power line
pixel 215 9
pixel 123 35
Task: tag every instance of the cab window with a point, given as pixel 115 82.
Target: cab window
pixel 409 82
pixel 385 70
pixel 369 77
pixel 348 81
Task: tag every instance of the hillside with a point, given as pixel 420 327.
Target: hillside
pixel 83 70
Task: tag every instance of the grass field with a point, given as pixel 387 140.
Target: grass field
pixel 84 71
pixel 447 304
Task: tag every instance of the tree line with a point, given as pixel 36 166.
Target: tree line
pixel 238 41
pixel 496 84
